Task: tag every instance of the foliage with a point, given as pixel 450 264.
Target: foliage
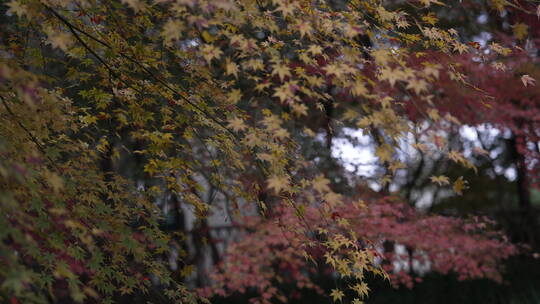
pixel 440 244
pixel 111 110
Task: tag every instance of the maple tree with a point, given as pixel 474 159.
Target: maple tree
pixel 113 112
pixel 442 244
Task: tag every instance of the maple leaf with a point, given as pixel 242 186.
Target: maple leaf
pixel 418 85
pixel 286 7
pixel 385 15
pixel 254 64
pixel 351 31
pixel 304 28
pixel 278 183
pixel 333 69
pixel 172 30
pixel 299 109
pixel 15 7
pixel 231 68
pixel 432 70
pixel 441 180
pixel 60 40
pixel 460 185
pixel 390 75
pixel 272 122
pixel 320 184
pixel 381 56
pixel 434 114
pixel 520 30
pixel 394 166
pixel 452 118
pixel 237 124
pixel 499 49
pixel 234 96
pixel 422 147
pixel 210 52
pixel 430 18
pixel 460 47
pixel 361 289
pixel 359 88
pixel 480 151
pixel 55 181
pixel 315 81
pixel 283 92
pixel 384 152
pixel 281 70
pixel 315 49
pixel 527 80
pixel 499 66
pixel 261 86
pixel 333 198
pixel 281 133
pixel 336 295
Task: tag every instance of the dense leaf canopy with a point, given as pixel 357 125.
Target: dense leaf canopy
pixel 115 113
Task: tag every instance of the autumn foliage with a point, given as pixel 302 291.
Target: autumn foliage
pixel 117 115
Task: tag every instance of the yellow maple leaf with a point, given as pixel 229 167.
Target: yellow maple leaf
pixel 521 30
pixel 385 15
pixel 430 17
pixel 333 69
pixel 384 152
pixel 361 289
pixel 172 30
pixel 459 185
pixel 333 199
pixel 381 56
pixel 15 7
pixel 390 75
pixel 432 70
pixel 336 295
pixel 283 92
pixel 314 81
pixel 320 184
pixel 60 40
pixel 278 183
pixel 231 68
pixel 434 114
pixel 54 180
pixel 254 64
pixel 261 86
pixel 457 157
pixel 396 165
pixel 418 85
pixel 234 96
pixel 299 109
pixel 281 133
pixel 304 28
pixel 286 7
pixel 441 180
pixel 359 88
pixel 315 49
pixel 237 124
pixel 210 52
pixel 460 47
pixel 281 70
